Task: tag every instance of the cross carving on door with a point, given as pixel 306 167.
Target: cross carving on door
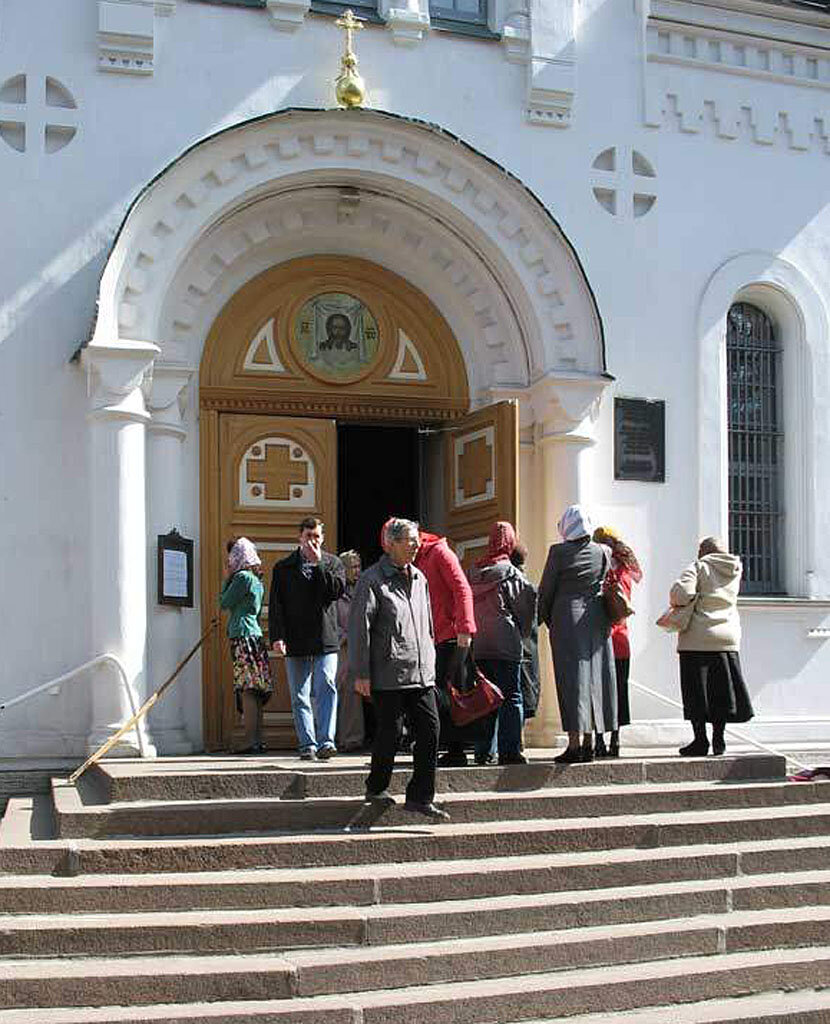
pixel 277 472
pixel 475 467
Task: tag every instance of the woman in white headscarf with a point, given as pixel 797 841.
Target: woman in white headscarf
pixel 571 606
pixel 241 595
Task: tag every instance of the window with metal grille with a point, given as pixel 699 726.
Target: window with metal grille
pixel 756 471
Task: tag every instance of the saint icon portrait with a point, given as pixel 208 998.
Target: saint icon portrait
pixel 336 336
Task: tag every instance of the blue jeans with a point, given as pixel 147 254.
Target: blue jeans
pixel 510 716
pixel 312 681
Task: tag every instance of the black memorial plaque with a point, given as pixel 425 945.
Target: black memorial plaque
pixel 640 440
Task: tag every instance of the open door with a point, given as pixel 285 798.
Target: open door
pixel 273 472
pixel 481 455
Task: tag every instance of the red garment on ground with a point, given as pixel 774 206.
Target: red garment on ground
pixel 619 630
pixel 449 592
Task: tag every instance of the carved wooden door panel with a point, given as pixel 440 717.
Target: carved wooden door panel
pixel 273 472
pixel 481 454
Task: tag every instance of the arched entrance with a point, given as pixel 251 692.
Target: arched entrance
pixel 363 187
pixel 329 386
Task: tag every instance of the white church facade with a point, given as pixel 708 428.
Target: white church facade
pixel 582 253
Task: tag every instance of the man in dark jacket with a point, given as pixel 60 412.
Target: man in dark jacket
pixel 302 625
pixel 392 656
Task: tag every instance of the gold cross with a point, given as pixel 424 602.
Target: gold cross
pixel 277 472
pixel 349 24
pixel 475 467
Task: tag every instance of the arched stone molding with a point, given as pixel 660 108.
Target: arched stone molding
pixel 800 317
pixel 543 307
pixel 308 222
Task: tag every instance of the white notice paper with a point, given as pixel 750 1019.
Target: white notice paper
pixel 175 573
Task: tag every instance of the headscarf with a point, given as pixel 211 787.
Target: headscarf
pixel 621 551
pixel 500 546
pixel 243 555
pixel 574 523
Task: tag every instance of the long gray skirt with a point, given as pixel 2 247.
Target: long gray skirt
pixel 583 662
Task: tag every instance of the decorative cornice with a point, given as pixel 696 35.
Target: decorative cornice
pixel 287 15
pixel 126 34
pixel 295 402
pixel 697 53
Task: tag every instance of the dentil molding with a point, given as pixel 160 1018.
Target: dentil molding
pixel 448 180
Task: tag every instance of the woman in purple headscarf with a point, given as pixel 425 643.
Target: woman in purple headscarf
pixel 571 606
pixel 241 595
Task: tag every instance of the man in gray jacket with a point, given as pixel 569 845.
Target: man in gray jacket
pixel 392 656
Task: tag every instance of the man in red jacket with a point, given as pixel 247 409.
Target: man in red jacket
pixel 452 620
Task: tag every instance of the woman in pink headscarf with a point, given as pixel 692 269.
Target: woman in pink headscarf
pixel 241 595
pixel 504 602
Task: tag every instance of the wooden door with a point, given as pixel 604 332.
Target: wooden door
pixel 273 472
pixel 481 455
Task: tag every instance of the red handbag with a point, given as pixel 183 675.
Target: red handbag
pixel 478 697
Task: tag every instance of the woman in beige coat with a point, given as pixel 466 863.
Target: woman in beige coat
pixel 711 680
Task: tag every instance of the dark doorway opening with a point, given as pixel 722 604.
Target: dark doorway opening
pixel 378 475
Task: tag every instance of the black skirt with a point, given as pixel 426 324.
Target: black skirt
pixel 713 687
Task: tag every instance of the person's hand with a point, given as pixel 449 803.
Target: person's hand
pixel 464 639
pixel 363 688
pixel 278 647
pixel 312 550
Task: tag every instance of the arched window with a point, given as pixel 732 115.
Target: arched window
pixel 756 448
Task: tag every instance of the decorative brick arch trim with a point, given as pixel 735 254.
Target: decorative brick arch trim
pixel 503 225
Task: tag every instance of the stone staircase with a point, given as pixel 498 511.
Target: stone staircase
pixel 654 891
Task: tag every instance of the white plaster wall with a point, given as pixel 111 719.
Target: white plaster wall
pixel 216 66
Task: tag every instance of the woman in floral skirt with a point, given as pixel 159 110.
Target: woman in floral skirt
pixel 241 595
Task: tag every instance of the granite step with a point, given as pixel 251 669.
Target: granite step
pixel 278 930
pixel 809 1007
pixel 418 842
pixel 599 990
pixel 423 882
pixel 76 819
pixel 278 777
pixel 148 980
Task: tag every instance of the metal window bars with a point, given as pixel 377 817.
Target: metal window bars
pixel 755 448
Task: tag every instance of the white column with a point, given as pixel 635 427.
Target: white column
pixel 566 409
pixel 116 374
pixel 169 635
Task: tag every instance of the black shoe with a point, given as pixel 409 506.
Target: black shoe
pixel 697 748
pixel 308 755
pixel 453 759
pixel 600 750
pixel 573 755
pixel 587 749
pixel 428 810
pixel 718 747
pixel 482 762
pixel 383 797
pixel 512 759
pixel 614 748
pixel 324 753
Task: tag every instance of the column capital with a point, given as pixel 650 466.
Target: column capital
pixel 566 405
pixel 167 399
pixel 117 375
